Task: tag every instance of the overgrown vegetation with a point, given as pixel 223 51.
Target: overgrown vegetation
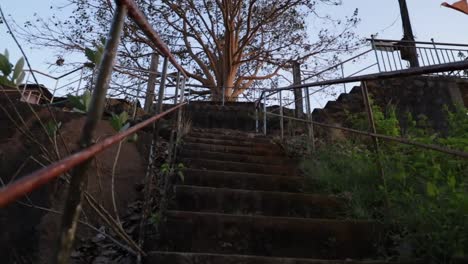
pixel 424 198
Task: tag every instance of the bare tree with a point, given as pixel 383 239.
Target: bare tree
pixel 223 44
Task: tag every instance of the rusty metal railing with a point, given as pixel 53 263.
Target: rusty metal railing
pixel 363 79
pixel 79 162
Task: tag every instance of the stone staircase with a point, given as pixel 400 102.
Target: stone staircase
pixel 241 202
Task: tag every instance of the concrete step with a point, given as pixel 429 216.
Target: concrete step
pixel 245 202
pixel 253 137
pixel 234 149
pixel 219 165
pixel 156 257
pixel 238 180
pixel 256 159
pixel 269 236
pixel 230 142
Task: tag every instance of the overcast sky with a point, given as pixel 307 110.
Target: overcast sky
pixel 429 19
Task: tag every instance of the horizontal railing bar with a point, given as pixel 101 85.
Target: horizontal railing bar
pixel 40 177
pixel 418 42
pixel 140 19
pixel 68 73
pixel 389 138
pixel 337 65
pixel 453 66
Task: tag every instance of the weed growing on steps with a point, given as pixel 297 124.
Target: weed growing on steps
pixel 427 190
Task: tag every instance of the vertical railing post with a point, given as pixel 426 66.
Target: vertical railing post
pixel 373 130
pixel 79 82
pixel 280 94
pixel 310 127
pixel 78 180
pixel 375 51
pixel 343 76
pixel 55 90
pixel 224 94
pixel 435 49
pixel 264 115
pixel 179 112
pixel 162 86
pixel 151 82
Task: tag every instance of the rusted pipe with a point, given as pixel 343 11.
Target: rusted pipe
pixel 29 183
pixel 140 19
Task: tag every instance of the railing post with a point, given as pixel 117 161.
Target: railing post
pixel 179 112
pixel 79 83
pixel 373 130
pixel 281 114
pixel 264 115
pixel 375 51
pixel 162 86
pixel 224 94
pixel 435 49
pixel 343 76
pixel 55 89
pixel 78 179
pixel 310 127
pixel 151 82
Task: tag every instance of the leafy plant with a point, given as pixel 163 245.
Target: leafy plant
pixel 81 103
pixel 11 75
pixel 95 55
pixel 120 123
pixel 427 212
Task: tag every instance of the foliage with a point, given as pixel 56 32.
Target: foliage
pixel 11 74
pixel 52 128
pixel 120 123
pixel 81 103
pixel 427 190
pixel 95 55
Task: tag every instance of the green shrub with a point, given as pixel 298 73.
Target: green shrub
pixel 427 191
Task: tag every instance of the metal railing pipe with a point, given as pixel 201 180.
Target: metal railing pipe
pixel 33 181
pixel 140 19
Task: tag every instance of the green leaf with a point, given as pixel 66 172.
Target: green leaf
pixel 431 189
pixel 21 78
pixel 123 117
pixel 18 69
pixel 5 66
pixel 90 54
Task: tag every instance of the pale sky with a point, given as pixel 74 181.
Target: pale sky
pixel 429 20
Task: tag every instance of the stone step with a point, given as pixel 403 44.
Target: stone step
pixel 219 165
pixel 256 159
pixel 269 236
pixel 239 180
pixel 234 149
pixel 157 257
pixel 245 202
pixel 251 137
pixel 230 142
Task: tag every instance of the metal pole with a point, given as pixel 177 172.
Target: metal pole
pixel 373 130
pixel 79 83
pixel 342 75
pixel 55 89
pixel 264 115
pixel 162 86
pixel 78 180
pixel 435 49
pixel 375 51
pixel 281 114
pixel 408 34
pixel 224 94
pixel 151 82
pixel 310 127
pixel 256 120
pixel 298 92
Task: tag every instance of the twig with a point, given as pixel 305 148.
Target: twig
pixel 117 155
